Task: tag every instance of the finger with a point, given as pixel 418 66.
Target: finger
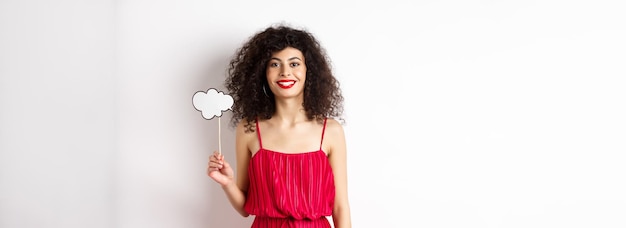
pixel 215 155
pixel 216 164
pixel 209 171
pixel 217 176
pixel 215 158
pixel 225 165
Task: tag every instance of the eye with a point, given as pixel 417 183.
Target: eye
pixel 294 64
pixel 273 64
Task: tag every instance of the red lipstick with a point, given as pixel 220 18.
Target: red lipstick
pixel 286 84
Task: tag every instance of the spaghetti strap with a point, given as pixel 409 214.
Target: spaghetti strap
pixel 258 132
pixel 323 130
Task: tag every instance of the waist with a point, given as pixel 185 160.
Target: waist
pixel 261 221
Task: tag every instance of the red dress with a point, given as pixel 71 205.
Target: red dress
pixel 290 189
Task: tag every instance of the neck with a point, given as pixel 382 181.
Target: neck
pixel 290 111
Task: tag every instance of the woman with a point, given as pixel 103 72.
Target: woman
pixel 290 149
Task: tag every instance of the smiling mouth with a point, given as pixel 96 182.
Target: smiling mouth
pixel 286 84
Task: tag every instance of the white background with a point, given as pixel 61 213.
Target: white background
pixel 458 113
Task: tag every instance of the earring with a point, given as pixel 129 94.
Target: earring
pixel 265 91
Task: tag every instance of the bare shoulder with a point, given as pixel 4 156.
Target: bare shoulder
pixel 243 132
pixel 334 127
pixel 334 138
pixel 245 127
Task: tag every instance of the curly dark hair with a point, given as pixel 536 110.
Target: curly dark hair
pixel 246 78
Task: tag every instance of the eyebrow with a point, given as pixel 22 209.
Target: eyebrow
pixel 292 58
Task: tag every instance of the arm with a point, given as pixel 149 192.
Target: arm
pixel 338 161
pixel 221 171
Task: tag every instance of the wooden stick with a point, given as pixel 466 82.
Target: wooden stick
pixel 219 135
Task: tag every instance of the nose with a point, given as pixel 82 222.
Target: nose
pixel 285 72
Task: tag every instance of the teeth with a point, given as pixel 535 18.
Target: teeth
pixel 286 83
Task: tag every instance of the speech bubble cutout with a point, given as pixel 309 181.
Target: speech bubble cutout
pixel 212 103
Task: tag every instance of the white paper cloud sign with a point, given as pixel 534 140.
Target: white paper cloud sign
pixel 212 103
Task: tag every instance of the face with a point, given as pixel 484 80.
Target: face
pixel 286 73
